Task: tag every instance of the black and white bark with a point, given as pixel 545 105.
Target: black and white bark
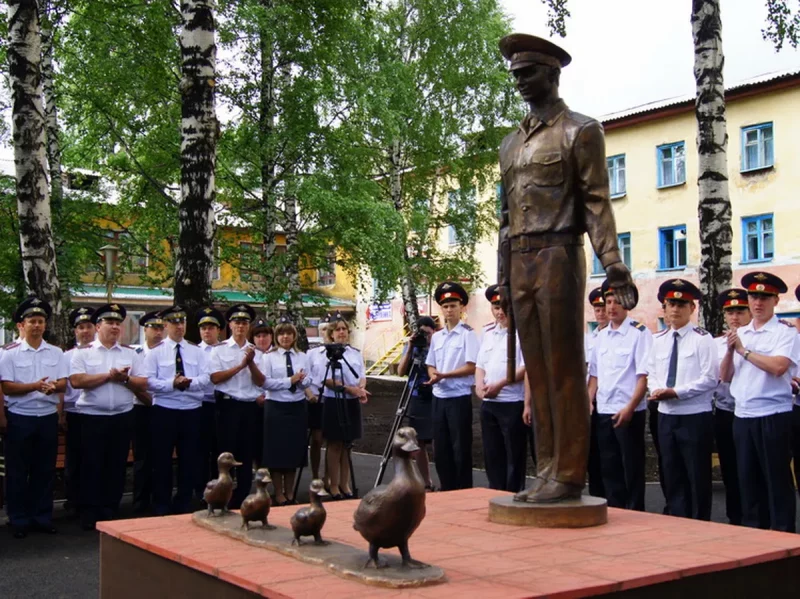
pixel 408 288
pixel 28 127
pixel 714 205
pixel 266 128
pixel 199 131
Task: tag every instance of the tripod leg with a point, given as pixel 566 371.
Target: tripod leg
pixel 400 414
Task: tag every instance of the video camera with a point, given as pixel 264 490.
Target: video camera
pixel 335 351
pixel 419 340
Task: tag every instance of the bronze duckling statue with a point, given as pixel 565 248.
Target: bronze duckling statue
pixel 308 521
pixel 219 491
pixel 389 515
pixel 256 506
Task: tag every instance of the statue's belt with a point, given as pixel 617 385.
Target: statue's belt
pixel 538 241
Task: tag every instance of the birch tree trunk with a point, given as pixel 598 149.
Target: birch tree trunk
pixel 714 206
pixel 294 301
pixel 199 131
pixel 28 126
pixel 266 126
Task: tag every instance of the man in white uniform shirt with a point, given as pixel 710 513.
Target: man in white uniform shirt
pixel 177 377
pixel 33 375
pixel 683 372
pixel 210 321
pixel 109 375
pixel 503 431
pixel 618 381
pixel 758 364
pixel 238 382
pixel 737 314
pixel 594 469
pixel 451 368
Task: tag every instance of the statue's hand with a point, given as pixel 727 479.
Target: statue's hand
pixel 619 279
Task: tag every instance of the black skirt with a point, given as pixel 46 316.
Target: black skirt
pixel 285 437
pixel 420 415
pixel 315 415
pixel 341 419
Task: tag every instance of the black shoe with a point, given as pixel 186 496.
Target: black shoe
pixel 19 532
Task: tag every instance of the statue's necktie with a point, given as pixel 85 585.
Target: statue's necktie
pixel 290 370
pixel 179 362
pixel 672 373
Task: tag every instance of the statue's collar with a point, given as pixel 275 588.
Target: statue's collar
pixel 532 121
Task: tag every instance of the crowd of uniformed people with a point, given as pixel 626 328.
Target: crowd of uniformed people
pixel 257 396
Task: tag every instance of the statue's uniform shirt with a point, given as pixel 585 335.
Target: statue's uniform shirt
pixel 493 360
pixel 20 363
pixel 160 369
pixel 723 399
pixel 449 351
pixel 620 357
pixel 351 379
pixel 278 381
pixel 757 392
pixel 225 356
pixel 208 395
pixel 697 373
pixel 109 398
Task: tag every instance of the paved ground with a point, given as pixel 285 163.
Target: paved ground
pixel 67 564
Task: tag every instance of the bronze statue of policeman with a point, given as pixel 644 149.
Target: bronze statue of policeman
pixel 554 189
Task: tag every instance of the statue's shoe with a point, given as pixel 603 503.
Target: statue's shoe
pixel 537 484
pixel 553 492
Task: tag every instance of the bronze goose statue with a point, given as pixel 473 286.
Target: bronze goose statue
pixel 219 491
pixel 389 515
pixel 308 521
pixel 256 506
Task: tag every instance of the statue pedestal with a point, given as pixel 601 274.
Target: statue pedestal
pixel 574 513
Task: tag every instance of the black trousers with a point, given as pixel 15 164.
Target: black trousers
pixel 622 460
pixel 505 440
pixel 177 430
pixel 796 445
pixel 595 469
pixel 31 446
pixel 72 458
pixel 686 445
pixel 105 443
pixel 763 453
pixel 209 450
pixel 237 423
pixel 726 450
pixel 652 425
pixel 452 441
pixel 142 458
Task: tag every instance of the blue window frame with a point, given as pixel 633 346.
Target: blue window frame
pixel 758 238
pixel 616 175
pixel 672 247
pixel 671 163
pixel 624 242
pixel 757 147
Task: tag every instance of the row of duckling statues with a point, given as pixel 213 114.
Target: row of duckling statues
pixel 386 517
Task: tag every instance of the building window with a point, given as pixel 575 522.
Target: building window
pixel 616 175
pixel 671 160
pixel 759 238
pixel 326 275
pixel 672 247
pixel 624 242
pixel 452 237
pixel 757 147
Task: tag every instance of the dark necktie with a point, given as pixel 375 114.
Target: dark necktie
pixel 672 373
pixel 290 370
pixel 179 362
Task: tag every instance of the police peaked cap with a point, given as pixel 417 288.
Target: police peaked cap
pixel 493 293
pixel 109 312
pixel 522 50
pixel 596 297
pixel 79 315
pixel 764 282
pixel 449 291
pixel 151 319
pixel 678 289
pixel 240 312
pixel 733 298
pixel 175 312
pixel 33 306
pixel 259 324
pixel 210 315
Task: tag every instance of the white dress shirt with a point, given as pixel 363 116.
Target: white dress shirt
pixel 757 392
pixel 493 360
pixel 351 379
pixel 278 381
pixel 618 360
pixel 240 386
pixel 109 398
pixel 20 363
pixel 160 367
pixel 142 350
pixel 449 351
pixel 723 398
pixel 209 392
pixel 589 342
pixel 697 374
pixel 70 395
pixel 318 363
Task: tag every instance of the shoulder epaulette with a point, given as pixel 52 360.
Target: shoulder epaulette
pixel 466 326
pixel 271 349
pixel 11 345
pixel 139 350
pixel 786 322
pixel 638 325
pixel 489 326
pixel 354 348
pixel 598 329
pixel 700 331
pixel 130 346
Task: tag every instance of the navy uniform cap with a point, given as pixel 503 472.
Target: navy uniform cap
pixel 678 289
pixel 607 290
pixel 733 298
pixel 596 297
pixel 332 317
pixel 79 315
pixel 523 50
pixel 174 313
pixel 151 319
pixel 493 294
pixel 33 306
pixel 109 312
pixel 240 312
pixel 285 318
pixel 764 282
pixel 259 324
pixel 449 291
pixel 210 315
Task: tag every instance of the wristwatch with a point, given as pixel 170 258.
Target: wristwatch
pixel 746 353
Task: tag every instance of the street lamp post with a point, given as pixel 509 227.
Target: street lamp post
pixel 110 253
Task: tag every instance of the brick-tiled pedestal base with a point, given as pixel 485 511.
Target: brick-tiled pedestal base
pixel 634 555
